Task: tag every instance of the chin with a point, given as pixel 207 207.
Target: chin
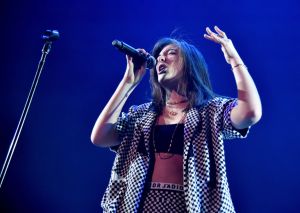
pixel 162 80
pixel 166 83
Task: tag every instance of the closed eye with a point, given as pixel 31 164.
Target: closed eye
pixel 172 52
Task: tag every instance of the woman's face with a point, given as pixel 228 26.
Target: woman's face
pixel 169 66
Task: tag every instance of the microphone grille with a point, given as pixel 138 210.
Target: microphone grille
pixel 50 35
pixel 151 61
pixel 116 43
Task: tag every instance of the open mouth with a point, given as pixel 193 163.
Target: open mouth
pixel 162 68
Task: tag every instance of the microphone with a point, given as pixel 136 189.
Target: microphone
pixel 135 54
pixel 50 35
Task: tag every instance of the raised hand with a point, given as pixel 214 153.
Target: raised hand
pixel 231 55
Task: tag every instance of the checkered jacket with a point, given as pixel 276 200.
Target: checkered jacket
pixel 205 182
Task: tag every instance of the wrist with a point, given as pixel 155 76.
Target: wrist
pixel 238 66
pixel 236 61
pixel 125 85
pixel 127 80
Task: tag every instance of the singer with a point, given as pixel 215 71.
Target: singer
pixel 170 151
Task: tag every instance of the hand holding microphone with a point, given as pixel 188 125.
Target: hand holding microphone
pixel 137 62
pixel 137 56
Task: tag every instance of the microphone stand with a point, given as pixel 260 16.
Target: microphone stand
pixel 48 37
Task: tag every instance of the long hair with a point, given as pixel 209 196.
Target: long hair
pixel 195 84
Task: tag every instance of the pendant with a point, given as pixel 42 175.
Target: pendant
pixel 172 113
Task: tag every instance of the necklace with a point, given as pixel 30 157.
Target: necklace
pixel 178 102
pixel 171 112
pixel 166 155
pixel 171 106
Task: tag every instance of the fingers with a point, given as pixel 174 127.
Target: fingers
pixel 135 64
pixel 144 52
pixel 220 32
pixel 129 58
pixel 212 36
pixel 218 37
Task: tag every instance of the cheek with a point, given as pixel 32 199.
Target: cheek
pixel 179 67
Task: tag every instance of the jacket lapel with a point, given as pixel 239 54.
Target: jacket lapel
pixel 147 122
pixel 191 124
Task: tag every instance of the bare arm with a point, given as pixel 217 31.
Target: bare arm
pixel 248 110
pixel 103 133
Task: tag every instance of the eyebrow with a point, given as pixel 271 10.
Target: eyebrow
pixel 167 50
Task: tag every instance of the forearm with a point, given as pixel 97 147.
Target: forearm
pixel 249 109
pixel 102 133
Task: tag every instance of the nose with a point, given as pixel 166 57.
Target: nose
pixel 161 58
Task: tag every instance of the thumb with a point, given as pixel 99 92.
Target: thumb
pixel 128 58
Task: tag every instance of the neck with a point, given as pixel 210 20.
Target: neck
pixel 173 97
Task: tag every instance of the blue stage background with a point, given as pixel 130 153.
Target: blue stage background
pixel 56 168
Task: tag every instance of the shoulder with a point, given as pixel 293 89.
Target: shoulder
pixel 216 103
pixel 220 100
pixel 142 108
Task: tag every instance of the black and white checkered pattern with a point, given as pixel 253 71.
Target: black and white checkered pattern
pixel 164 201
pixel 205 182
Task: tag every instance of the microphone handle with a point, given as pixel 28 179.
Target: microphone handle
pixel 129 50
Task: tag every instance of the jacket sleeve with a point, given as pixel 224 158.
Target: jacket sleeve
pixel 224 106
pixel 125 124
